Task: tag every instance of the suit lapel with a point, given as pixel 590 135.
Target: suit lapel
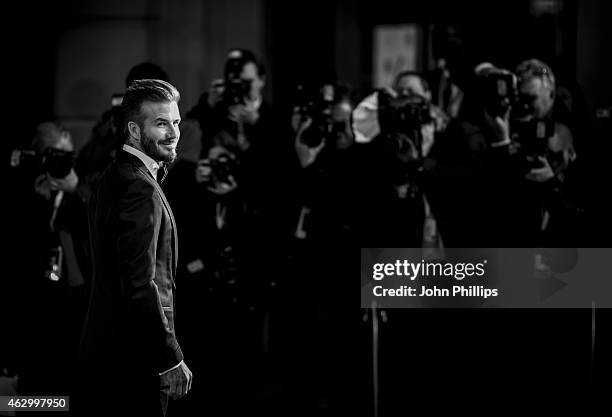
pixel 168 210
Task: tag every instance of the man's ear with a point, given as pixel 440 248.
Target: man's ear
pixel 134 130
pixel 428 95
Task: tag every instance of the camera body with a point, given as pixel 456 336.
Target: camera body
pixel 498 91
pixel 401 118
pixel 236 90
pixel 403 113
pixel 317 106
pixel 223 167
pixel 55 162
pixel 532 137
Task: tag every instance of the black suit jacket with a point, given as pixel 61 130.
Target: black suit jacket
pixel 134 253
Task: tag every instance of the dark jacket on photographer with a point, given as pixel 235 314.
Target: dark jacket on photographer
pixel 502 207
pixel 261 151
pixel 392 210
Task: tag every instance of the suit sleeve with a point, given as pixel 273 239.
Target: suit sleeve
pixel 140 213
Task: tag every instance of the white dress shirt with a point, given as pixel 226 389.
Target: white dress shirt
pixel 151 164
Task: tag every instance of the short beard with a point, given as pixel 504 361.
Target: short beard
pixel 150 148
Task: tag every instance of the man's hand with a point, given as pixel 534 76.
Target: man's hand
pixel 542 174
pixel 427 135
pixel 42 186
pixel 305 153
pixel 215 94
pixel 500 127
pixel 203 171
pixel 204 175
pixel 223 187
pixel 244 113
pixel 176 382
pixel 68 183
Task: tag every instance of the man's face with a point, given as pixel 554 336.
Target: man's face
pixel 538 96
pixel 159 132
pixel 63 142
pixel 341 119
pixel 410 85
pixel 249 73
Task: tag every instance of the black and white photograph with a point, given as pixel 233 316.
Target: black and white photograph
pixel 190 186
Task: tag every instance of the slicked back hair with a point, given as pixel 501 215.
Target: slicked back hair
pixel 141 91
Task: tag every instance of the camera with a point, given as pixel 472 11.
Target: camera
pixel 317 105
pixel 236 91
pixel 223 166
pixel 498 91
pixel 401 118
pixel 532 136
pixel 402 113
pixel 55 162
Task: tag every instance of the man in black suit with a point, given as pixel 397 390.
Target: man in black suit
pixel 129 346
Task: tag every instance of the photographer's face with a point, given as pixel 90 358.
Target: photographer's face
pixel 249 73
pixel 410 85
pixel 538 96
pixel 159 133
pixel 341 119
pixel 62 142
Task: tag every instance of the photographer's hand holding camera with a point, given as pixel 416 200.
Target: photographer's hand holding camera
pixel 306 154
pixel 326 161
pixel 522 152
pixel 61 219
pixel 322 123
pixel 216 171
pixel 45 184
pixel 551 142
pixel 57 163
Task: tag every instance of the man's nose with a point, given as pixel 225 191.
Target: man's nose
pixel 174 132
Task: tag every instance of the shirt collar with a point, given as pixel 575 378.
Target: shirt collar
pixel 151 164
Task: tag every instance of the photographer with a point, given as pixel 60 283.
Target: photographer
pixel 400 131
pixel 327 159
pixel 545 140
pixel 235 116
pixel 233 204
pixel 49 244
pixel 239 164
pixel 50 166
pixel 233 112
pixel 325 194
pixel 518 155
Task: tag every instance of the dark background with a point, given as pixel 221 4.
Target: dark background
pixel 63 60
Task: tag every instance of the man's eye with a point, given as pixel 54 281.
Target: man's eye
pixel 161 124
